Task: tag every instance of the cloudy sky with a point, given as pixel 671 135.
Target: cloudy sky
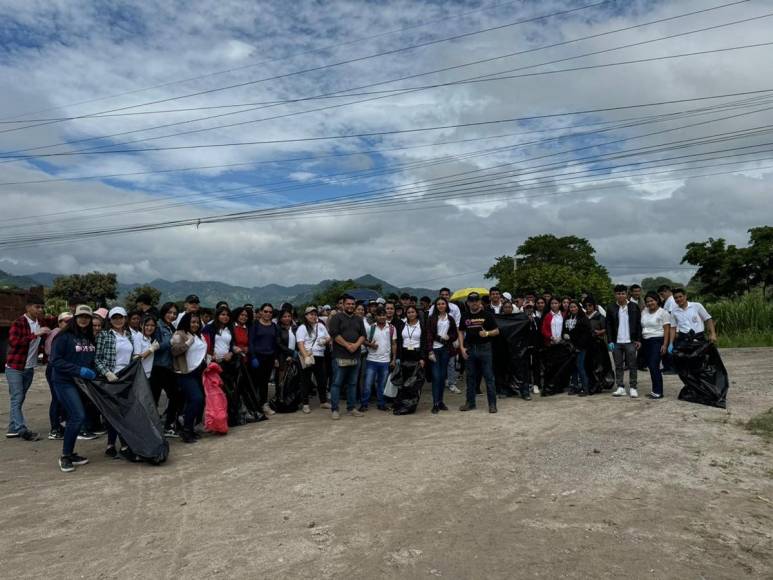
pixel 297 116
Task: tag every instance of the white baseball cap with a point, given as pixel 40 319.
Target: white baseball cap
pixel 116 311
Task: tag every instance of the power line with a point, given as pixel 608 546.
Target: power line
pixel 261 63
pixel 480 78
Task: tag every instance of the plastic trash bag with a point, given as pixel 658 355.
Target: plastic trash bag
pixel 390 388
pixel 128 406
pixel 409 381
pixel 511 351
pixel 287 397
pixel 558 363
pixel 598 366
pixel 703 373
pixel 215 400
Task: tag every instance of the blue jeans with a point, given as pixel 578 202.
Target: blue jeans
pixel 193 397
pixel 439 373
pixel 377 372
pixel 580 372
pixel 19 383
pixel 652 356
pixel 70 398
pixel 344 376
pixel 55 414
pixel 451 369
pixel 480 364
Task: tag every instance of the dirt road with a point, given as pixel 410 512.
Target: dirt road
pixel 558 487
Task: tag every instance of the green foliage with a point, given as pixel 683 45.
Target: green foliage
pixel 727 270
pixel 652 284
pixel 745 321
pixel 55 306
pixel 94 288
pixel 131 297
pixel 565 266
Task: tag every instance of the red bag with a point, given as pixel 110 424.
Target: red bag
pixel 216 406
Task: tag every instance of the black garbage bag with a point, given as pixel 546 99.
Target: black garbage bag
pixel 703 373
pixel 128 406
pixel 287 397
pixel 409 378
pixel 515 341
pixel 558 362
pixel 598 366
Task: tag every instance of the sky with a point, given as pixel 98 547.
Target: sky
pixel 167 88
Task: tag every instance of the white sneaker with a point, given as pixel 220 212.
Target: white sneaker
pixel 306 409
pixel 535 389
pixel 620 392
pixel 335 416
pixel 633 393
pixel 267 410
pixel 454 389
pixel 324 406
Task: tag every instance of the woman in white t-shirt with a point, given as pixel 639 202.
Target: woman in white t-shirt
pixel 145 345
pixel 655 326
pixel 312 338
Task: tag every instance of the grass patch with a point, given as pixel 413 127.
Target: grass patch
pixel 743 322
pixel 762 424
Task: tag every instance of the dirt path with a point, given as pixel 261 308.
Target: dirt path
pixel 554 488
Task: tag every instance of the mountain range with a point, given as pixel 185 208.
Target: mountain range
pixel 211 292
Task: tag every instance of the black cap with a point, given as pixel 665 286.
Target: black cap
pixel 192 299
pixel 473 296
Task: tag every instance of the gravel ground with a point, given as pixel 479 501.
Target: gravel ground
pixel 557 487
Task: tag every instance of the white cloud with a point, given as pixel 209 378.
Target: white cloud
pixel 59 53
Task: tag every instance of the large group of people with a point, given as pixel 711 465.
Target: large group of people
pixel 349 351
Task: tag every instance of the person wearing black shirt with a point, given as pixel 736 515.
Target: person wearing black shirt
pixel 476 330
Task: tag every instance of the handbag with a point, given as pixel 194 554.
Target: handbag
pixel 307 361
pixel 346 362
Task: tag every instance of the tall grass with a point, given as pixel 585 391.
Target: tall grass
pixel 745 321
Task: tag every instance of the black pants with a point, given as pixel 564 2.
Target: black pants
pixel 319 371
pixel 164 379
pixel 262 375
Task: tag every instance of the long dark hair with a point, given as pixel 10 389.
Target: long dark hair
pixel 216 320
pixel 185 323
pixel 435 313
pixel 580 311
pixel 78 332
pixel 237 312
pixel 164 309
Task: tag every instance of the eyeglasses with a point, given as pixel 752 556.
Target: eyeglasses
pixel 268 311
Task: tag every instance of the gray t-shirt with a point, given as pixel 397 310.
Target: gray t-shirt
pixel 350 328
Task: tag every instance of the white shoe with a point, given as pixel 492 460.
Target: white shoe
pixel 454 389
pixel 306 409
pixel 620 392
pixel 267 410
pixel 633 393
pixel 535 389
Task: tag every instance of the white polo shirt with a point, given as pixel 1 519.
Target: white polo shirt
pixel 383 337
pixel 669 304
pixel 690 318
pixel 623 330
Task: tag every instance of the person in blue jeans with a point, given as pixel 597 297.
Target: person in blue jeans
pixel 382 351
pixel 441 335
pixel 348 333
pixel 656 332
pixel 72 356
pixel 476 330
pixel 577 331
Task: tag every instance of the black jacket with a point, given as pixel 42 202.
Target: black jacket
pixel 634 322
pixel 580 336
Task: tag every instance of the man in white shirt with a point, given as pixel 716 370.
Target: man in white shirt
pixel 667 297
pixel 689 317
pixel 496 300
pixel 456 314
pixel 191 305
pixel 623 323
pixel 381 341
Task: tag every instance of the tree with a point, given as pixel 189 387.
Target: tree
pixel 546 263
pixel 153 293
pixel 93 288
pixel 761 257
pixel 332 292
pixel 651 284
pixel 723 271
